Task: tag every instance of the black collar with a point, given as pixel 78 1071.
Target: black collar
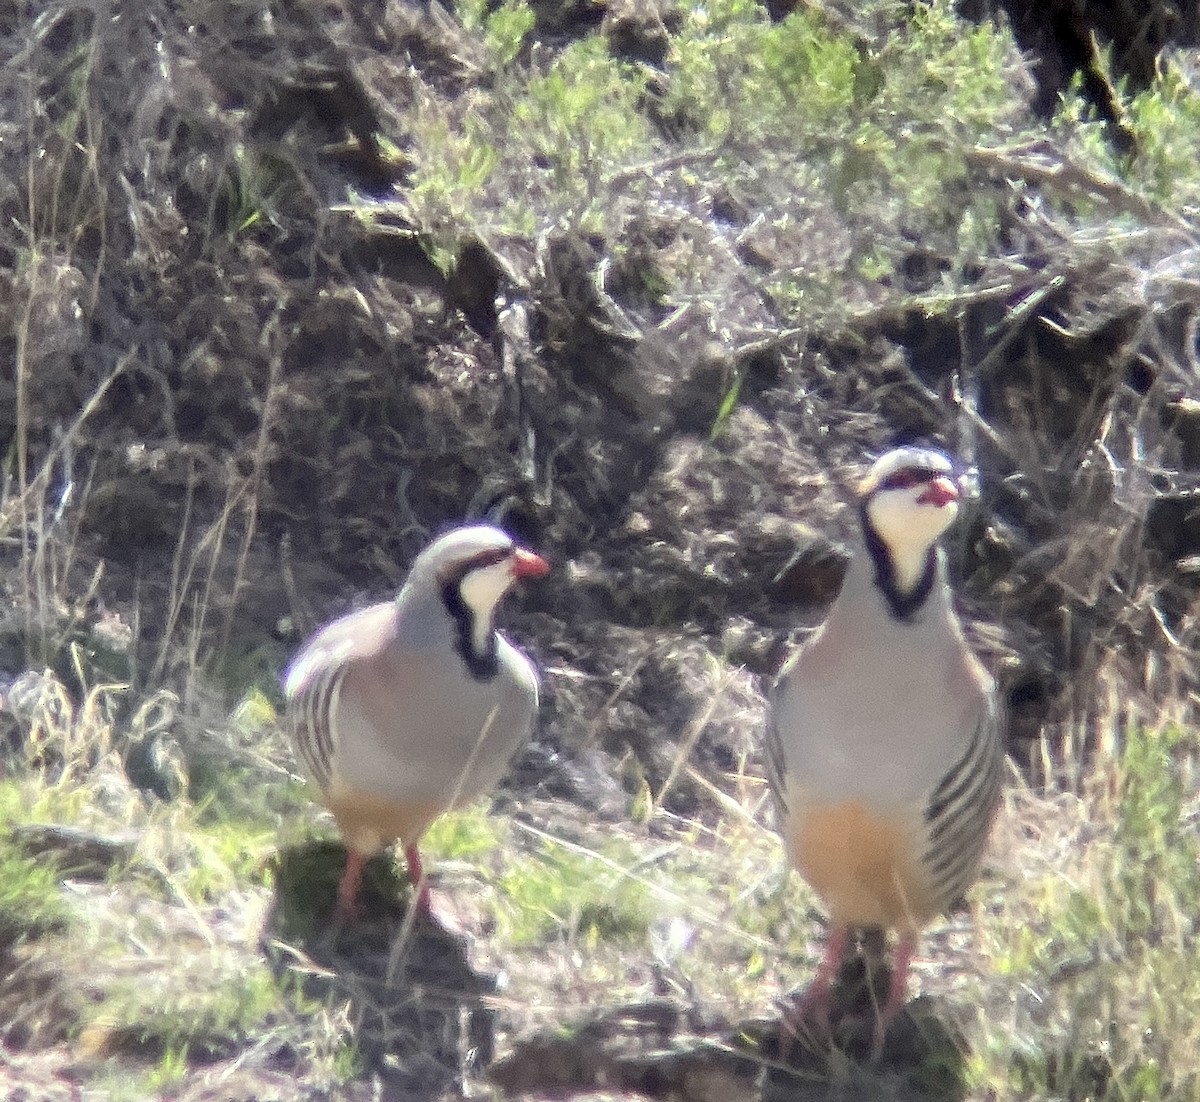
pixel 902 605
pixel 481 665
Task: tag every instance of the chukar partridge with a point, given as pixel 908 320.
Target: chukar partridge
pixel 883 740
pixel 415 706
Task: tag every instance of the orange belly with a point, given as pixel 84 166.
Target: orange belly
pixel 864 866
pixel 369 823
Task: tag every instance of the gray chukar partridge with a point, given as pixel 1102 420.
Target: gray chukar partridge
pixel 883 741
pixel 415 706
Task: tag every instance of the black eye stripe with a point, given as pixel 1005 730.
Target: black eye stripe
pixel 488 558
pixel 907 477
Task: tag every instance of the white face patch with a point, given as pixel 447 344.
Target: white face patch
pixel 481 590
pixel 908 528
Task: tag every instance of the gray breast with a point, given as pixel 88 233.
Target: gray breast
pixel 435 733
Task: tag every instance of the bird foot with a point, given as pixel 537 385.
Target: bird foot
pixel 816 1018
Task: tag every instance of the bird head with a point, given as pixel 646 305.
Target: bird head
pixel 481 562
pixel 910 497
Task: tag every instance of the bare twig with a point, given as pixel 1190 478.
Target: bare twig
pixel 1064 175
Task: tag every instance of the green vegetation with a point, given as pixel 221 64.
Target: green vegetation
pixel 792 113
pixel 800 115
pixel 543 150
pixel 155 956
pixel 504 30
pixel 1166 121
pixel 1085 963
pixel 204 1000
pixel 559 891
pixel 31 903
pixel 470 835
pixel 227 853
pixel 1099 949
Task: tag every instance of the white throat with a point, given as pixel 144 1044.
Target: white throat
pixel 481 591
pixel 908 562
pixel 908 530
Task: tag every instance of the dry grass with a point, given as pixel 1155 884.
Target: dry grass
pixel 141 934
pixel 1074 974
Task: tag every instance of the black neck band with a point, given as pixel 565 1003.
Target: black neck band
pixel 902 605
pixel 481 665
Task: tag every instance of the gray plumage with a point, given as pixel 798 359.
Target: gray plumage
pixel 897 717
pixel 883 748
pixel 411 707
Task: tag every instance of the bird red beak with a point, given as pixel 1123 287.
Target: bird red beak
pixel 941 491
pixel 527 564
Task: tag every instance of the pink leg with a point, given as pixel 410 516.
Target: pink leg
pixel 416 875
pixel 347 895
pixel 813 1005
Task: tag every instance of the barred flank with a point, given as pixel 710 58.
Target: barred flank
pixel 311 716
pixel 959 813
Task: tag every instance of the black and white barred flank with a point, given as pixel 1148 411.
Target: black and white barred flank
pixel 311 712
pixel 959 813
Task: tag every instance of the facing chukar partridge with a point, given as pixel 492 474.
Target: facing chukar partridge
pixel 883 740
pixel 415 706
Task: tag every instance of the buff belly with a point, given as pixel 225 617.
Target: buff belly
pixel 369 822
pixel 864 865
